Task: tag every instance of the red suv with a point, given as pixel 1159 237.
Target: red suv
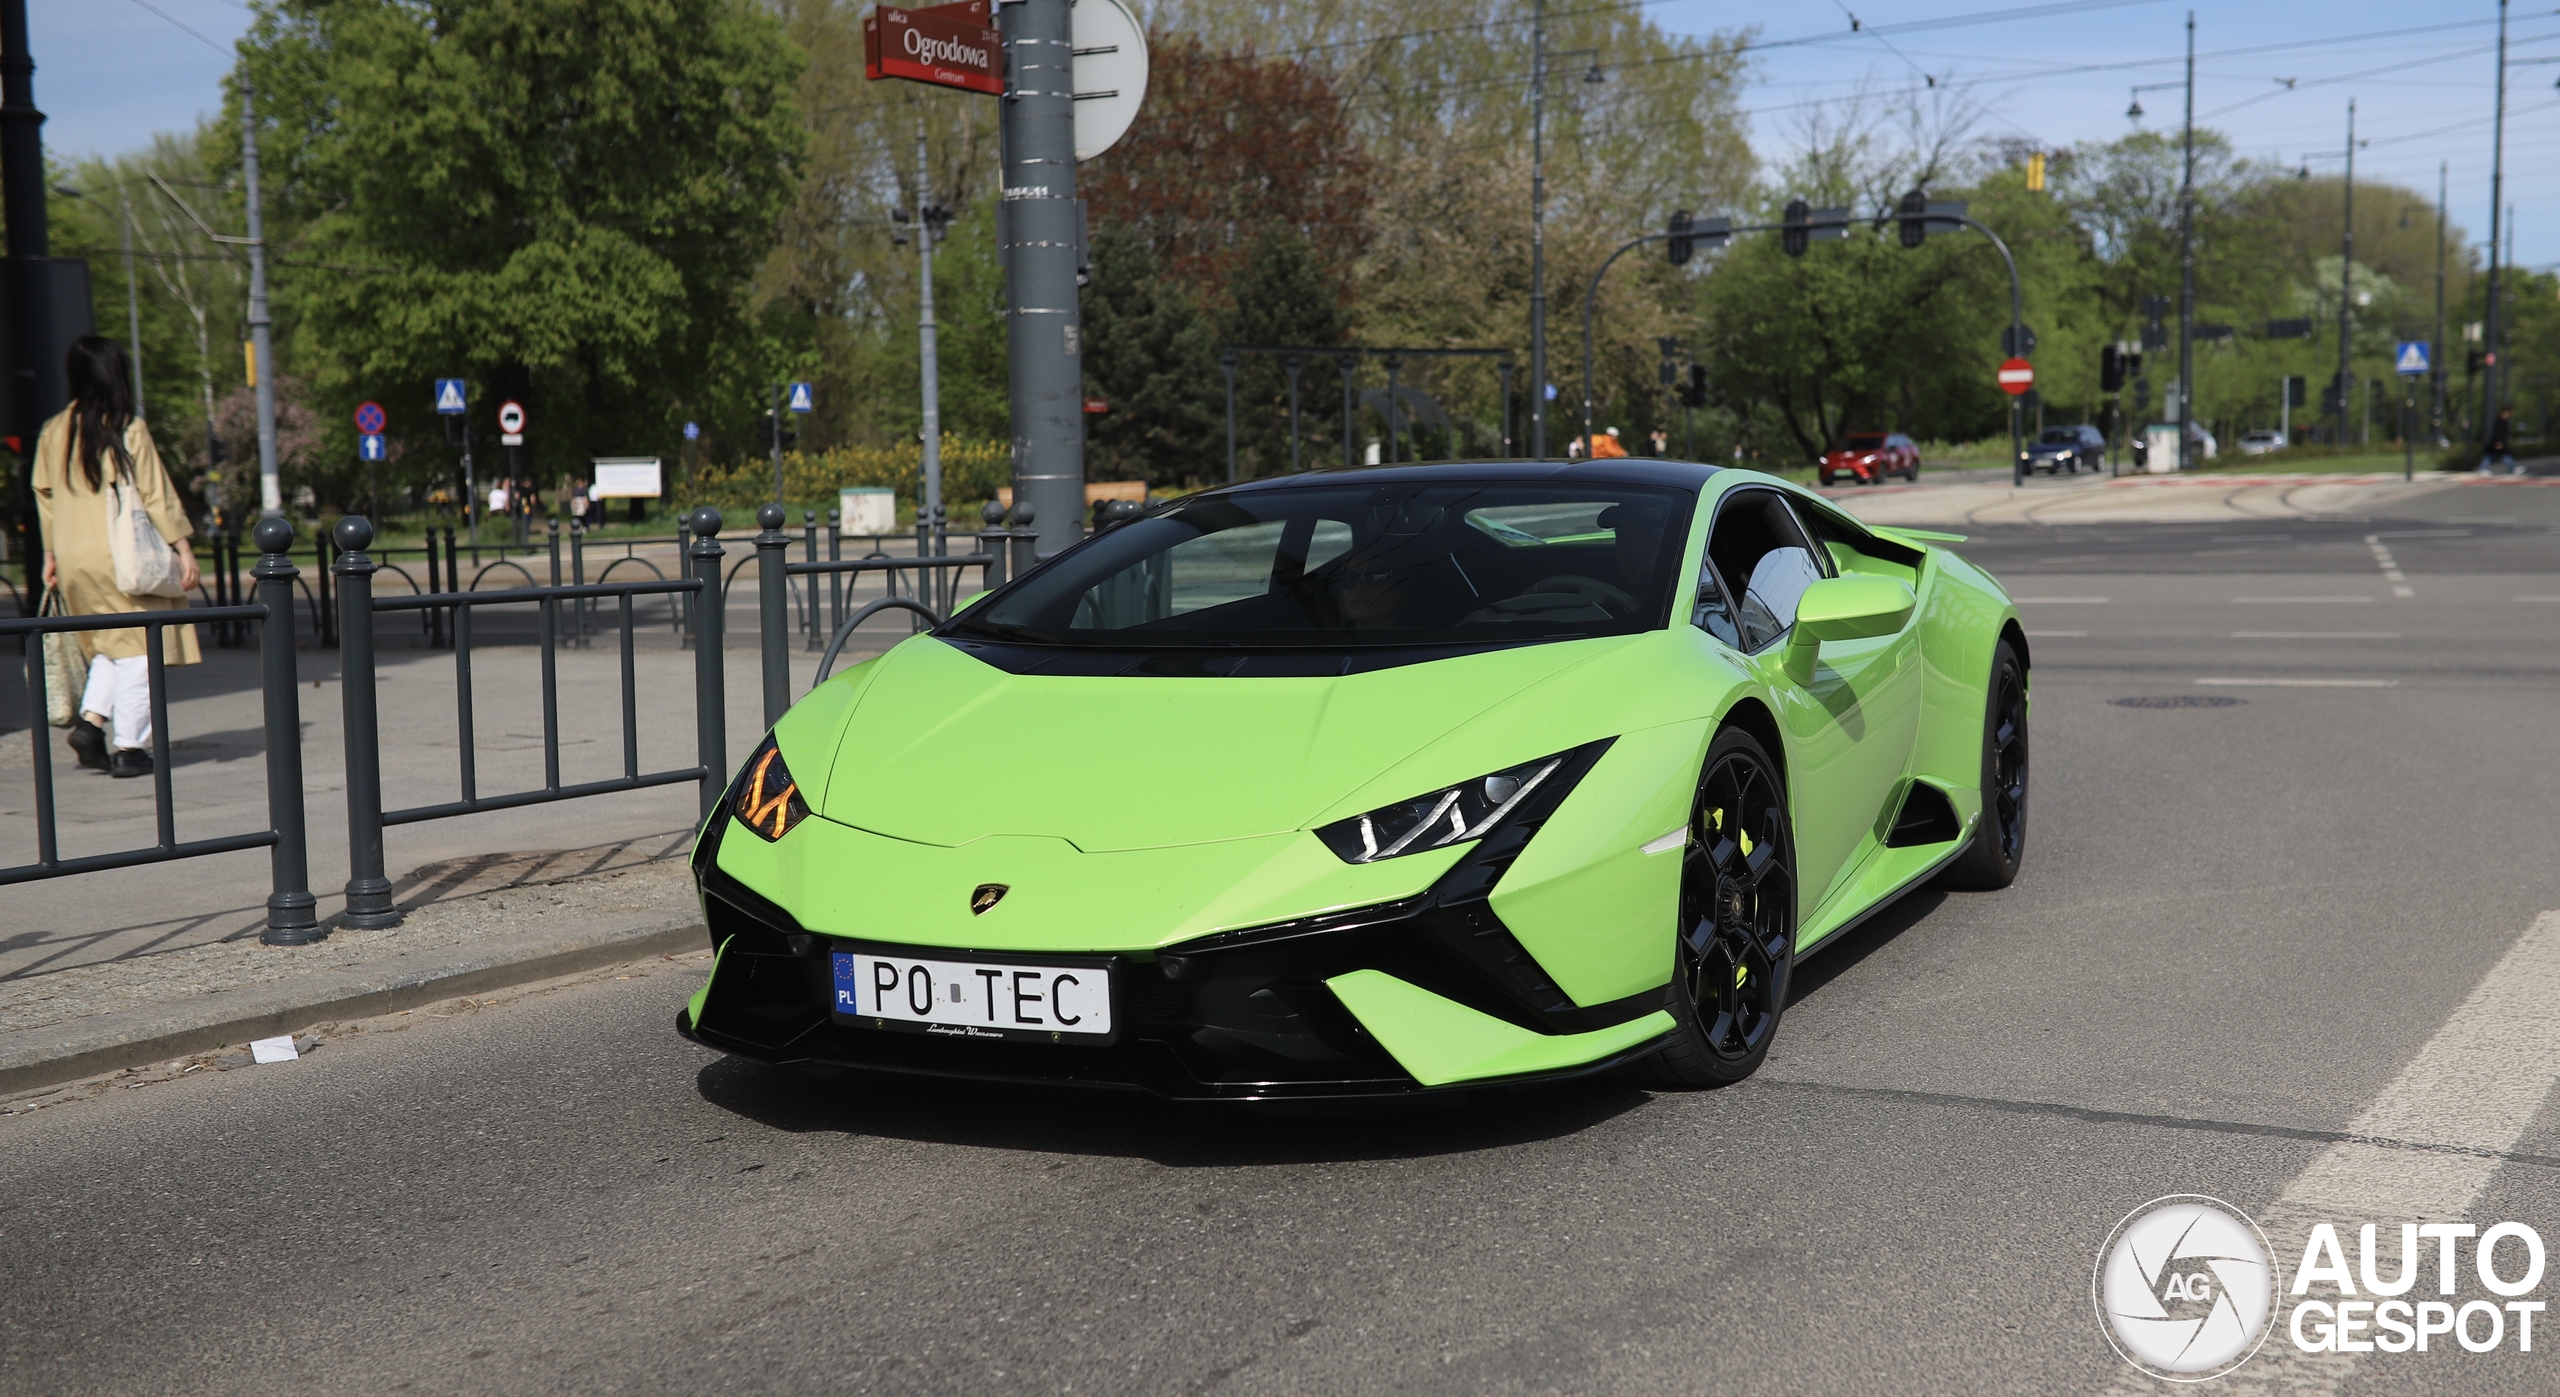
pixel 1868 457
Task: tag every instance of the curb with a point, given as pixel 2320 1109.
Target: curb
pixel 34 1058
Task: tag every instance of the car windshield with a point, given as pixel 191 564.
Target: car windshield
pixel 1867 442
pixel 2062 436
pixel 1408 563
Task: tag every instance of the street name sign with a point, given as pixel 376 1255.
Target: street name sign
pixel 449 399
pixel 2411 358
pixel 511 423
pixel 943 45
pixel 369 418
pixel 2017 376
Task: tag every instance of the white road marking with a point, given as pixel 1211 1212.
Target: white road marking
pixel 2315 635
pixel 2390 570
pixel 2301 601
pixel 2538 598
pixel 2467 1097
pixel 2060 601
pixel 2422 533
pixel 2302 683
pixel 2039 635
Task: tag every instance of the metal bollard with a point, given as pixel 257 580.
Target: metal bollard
pixel 369 902
pixel 835 580
pixel 585 606
pixel 773 551
pixel 710 701
pixel 991 543
pixel 809 617
pixel 324 625
pixel 290 918
pixel 1026 544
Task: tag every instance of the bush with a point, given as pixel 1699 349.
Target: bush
pixel 972 472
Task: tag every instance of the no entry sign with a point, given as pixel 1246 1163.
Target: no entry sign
pixel 2017 376
pixel 945 45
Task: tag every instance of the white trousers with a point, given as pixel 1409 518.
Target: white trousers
pixel 121 689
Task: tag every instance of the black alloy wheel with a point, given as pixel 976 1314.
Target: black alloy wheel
pixel 2000 837
pixel 1735 949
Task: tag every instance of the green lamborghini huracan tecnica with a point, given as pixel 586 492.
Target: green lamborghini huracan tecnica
pixel 1373 783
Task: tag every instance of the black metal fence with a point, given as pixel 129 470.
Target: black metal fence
pixel 570 613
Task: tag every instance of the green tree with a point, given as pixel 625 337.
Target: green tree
pixel 562 200
pixel 1282 296
pixel 1148 354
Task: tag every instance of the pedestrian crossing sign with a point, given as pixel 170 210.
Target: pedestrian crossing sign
pixel 800 398
pixel 2412 358
pixel 449 395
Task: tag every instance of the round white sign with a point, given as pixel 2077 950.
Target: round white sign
pixel 1111 74
pixel 511 416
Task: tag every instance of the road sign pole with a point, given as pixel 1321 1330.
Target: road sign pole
pixel 929 359
pixel 1044 328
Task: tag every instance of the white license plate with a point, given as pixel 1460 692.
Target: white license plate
pixel 1048 1002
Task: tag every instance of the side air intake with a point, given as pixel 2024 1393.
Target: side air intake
pixel 1926 818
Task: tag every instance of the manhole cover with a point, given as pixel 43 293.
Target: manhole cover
pixel 2179 701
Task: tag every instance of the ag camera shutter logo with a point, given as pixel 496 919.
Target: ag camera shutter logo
pixel 2184 1287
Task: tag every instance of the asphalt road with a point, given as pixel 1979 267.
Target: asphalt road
pixel 2239 926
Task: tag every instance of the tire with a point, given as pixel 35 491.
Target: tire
pixel 2000 837
pixel 1733 945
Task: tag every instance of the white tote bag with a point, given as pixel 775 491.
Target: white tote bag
pixel 66 667
pixel 146 566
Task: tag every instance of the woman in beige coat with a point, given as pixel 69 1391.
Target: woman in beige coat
pixel 95 441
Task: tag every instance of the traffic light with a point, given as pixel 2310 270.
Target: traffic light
pixel 2471 363
pixel 1696 395
pixel 1682 244
pixel 1914 218
pixel 2017 341
pixel 1670 347
pixel 2297 390
pixel 2110 369
pixel 1794 236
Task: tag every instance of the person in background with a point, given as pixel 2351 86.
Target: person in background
pixel 2499 449
pixel 578 501
pixel 497 499
pixel 1661 442
pixel 89 448
pixel 1607 446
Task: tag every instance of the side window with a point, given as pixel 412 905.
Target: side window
pixel 1759 555
pixel 1712 613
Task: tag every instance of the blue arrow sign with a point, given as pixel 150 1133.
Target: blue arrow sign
pixel 800 397
pixel 2411 358
pixel 449 398
pixel 692 431
pixel 369 447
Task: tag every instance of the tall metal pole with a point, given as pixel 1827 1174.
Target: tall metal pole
pixel 36 377
pixel 928 353
pixel 132 304
pixel 1538 232
pixel 2497 197
pixel 2187 267
pixel 2435 365
pixel 2347 280
pixel 1044 326
pixel 775 417
pixel 261 325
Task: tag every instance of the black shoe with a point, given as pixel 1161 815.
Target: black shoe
pixel 89 744
pixel 130 761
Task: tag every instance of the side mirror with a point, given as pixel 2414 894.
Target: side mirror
pixel 1854 608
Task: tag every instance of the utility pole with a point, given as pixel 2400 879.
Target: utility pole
pixel 1538 232
pixel 2187 267
pixel 261 326
pixel 37 388
pixel 2436 368
pixel 2347 280
pixel 2497 201
pixel 1040 234
pixel 927 355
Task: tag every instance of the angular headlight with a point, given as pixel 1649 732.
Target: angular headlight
pixel 765 798
pixel 1447 816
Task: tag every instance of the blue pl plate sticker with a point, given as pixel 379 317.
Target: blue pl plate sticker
pixel 848 990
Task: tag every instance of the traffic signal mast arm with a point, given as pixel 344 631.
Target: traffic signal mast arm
pixel 1916 214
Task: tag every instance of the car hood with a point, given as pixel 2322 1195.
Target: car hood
pixel 942 748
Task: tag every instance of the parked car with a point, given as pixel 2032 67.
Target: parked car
pixel 1869 457
pixel 2261 441
pixel 2059 449
pixel 2201 446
